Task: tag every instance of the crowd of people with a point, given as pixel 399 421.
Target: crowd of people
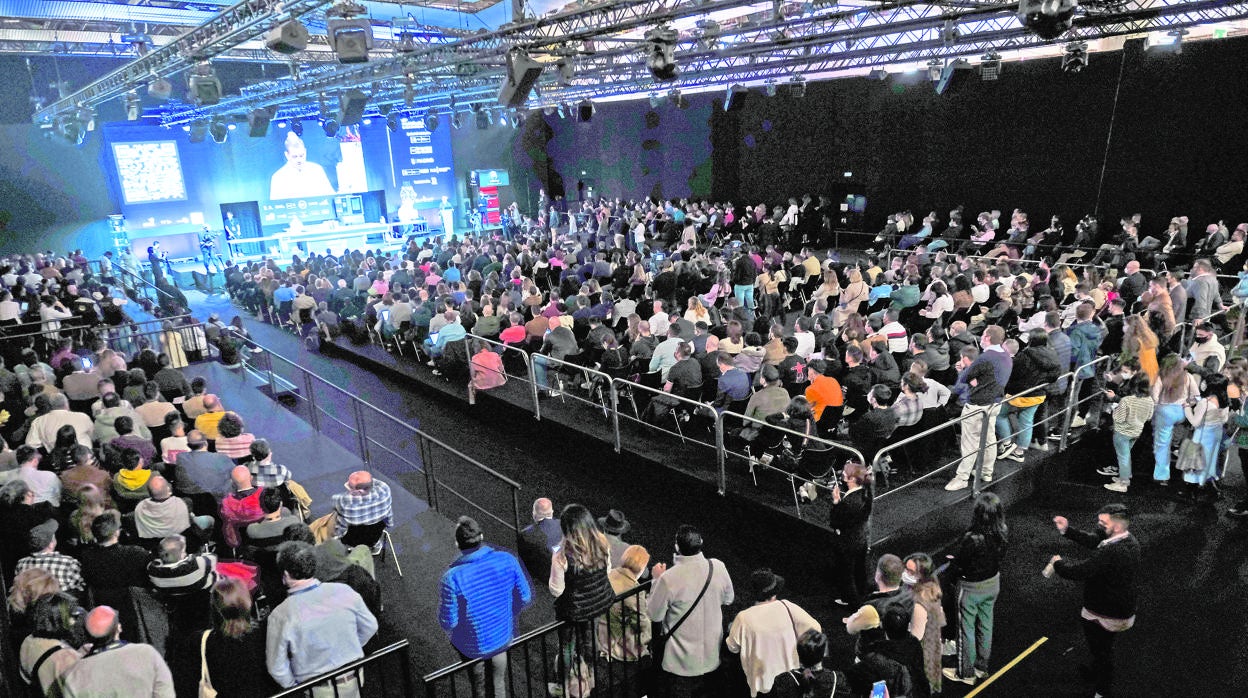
pixel 133 493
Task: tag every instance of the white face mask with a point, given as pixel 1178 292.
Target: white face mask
pixel 908 578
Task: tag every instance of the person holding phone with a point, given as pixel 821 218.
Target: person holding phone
pixel 851 509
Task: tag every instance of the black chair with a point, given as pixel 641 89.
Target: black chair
pixel 376 537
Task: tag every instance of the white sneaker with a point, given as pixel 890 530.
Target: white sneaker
pixel 952 674
pixel 1078 422
pixel 1117 485
pixel 956 484
pixel 1018 455
pixel 1108 471
pixel 1038 446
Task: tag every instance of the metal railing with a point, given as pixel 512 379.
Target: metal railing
pixel 367 670
pixel 609 653
pixel 513 358
pixel 601 389
pixel 452 482
pixel 134 285
pixel 680 409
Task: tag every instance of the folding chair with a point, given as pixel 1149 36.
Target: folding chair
pixel 376 537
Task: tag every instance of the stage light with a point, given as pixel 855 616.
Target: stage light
pixel 331 127
pixel 281 124
pixel 351 107
pixel 949 32
pixel 287 38
pixel 956 72
pixel 431 121
pixel 160 88
pixel 233 126
pixel 219 131
pixel 585 111
pixel 1075 57
pixel 1047 19
pixel 564 110
pixel 199 130
pixel 406 43
pixel 350 37
pixel 457 120
pixel 567 71
pixel 797 86
pixel 661 53
pixel 392 121
pixel 483 117
pixel 934 67
pixel 258 121
pixel 990 66
pixel 522 75
pixel 296 126
pixel 518 119
pixel 203 85
pixel 770 87
pixel 186 127
pixel 134 106
pixel 708 33
pixel 878 74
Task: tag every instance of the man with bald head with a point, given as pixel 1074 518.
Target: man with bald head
pixel 241 506
pixel 211 418
pixel 1132 285
pixel 178 571
pixel 366 501
pixel 539 540
pixel 163 514
pixel 200 471
pixel 116 669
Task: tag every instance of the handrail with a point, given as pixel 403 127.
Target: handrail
pixel 875 463
pixel 537 408
pixel 695 404
pixel 401 646
pixel 127 274
pixel 5 330
pixel 611 411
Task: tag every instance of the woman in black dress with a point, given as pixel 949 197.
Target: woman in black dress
pixel 851 509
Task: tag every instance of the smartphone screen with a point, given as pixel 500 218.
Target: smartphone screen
pixel 879 690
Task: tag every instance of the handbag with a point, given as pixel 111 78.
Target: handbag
pixel 1191 457
pixel 205 683
pixel 659 638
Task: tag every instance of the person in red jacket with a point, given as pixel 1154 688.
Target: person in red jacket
pixel 240 507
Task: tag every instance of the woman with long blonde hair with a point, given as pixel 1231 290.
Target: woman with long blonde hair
pixel 697 312
pixel 582 590
pixel 853 294
pixel 1140 341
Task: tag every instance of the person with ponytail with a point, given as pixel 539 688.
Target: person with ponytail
pixel 811 680
pixel 851 509
pixel 977 561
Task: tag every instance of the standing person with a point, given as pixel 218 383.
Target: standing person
pixel 1208 417
pixel 983 379
pixel 1133 411
pixel 232 651
pixel 115 668
pixel 851 511
pixel 482 595
pixel 978 564
pixel 766 634
pixel 1171 392
pixel 811 680
pixel 1109 593
pixel 686 603
pixel 928 616
pixel 582 590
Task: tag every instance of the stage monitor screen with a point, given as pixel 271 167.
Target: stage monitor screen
pixel 149 172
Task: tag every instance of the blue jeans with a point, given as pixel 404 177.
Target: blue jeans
pixel 1209 437
pixel 744 294
pixel 1122 449
pixel 976 601
pixel 1164 419
pixel 540 367
pixel 1026 420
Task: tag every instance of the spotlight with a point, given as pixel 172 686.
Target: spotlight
pixel 219 131
pixel 203 85
pixel 1047 19
pixel 406 43
pixel 199 130
pixel 296 126
pixel 990 66
pixel 585 111
pixel 567 71
pixel 134 106
pixel 949 32
pixel 661 53
pixel 160 88
pixel 351 107
pixel 258 121
pixel 797 86
pixel 392 121
pixel 457 120
pixel 431 121
pixel 350 37
pixel 878 74
pixel 331 127
pixel 770 87
pixel 287 38
pixel 518 119
pixel 953 74
pixel 1075 57
pixel 934 67
pixel 731 95
pixel 483 117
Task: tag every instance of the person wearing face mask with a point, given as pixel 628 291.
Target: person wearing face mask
pixel 1206 355
pixel 1109 589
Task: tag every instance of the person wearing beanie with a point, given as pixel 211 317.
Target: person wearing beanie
pixel 481 596
pixel 765 635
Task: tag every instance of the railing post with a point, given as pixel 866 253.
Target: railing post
pixel 268 364
pixel 515 510
pixel 313 418
pixel 360 434
pixel 1071 409
pixel 615 412
pixel 431 481
pixel 721 454
pixel 537 401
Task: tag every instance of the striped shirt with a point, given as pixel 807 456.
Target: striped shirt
pixel 191 573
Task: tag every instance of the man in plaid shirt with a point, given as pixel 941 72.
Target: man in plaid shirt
pixel 264 472
pixel 66 570
pixel 366 501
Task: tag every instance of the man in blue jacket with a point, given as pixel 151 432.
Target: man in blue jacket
pixel 1085 342
pixel 482 594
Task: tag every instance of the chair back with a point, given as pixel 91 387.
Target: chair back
pixel 364 534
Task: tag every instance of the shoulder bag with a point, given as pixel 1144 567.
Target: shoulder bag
pixel 1191 453
pixel 33 677
pixel 205 682
pixel 659 641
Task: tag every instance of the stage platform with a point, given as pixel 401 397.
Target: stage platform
pixel 920 512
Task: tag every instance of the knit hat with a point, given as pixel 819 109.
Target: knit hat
pixel 467 532
pixel 865 618
pixel 43 534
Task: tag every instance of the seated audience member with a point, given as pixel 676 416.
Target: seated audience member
pixel 772 399
pixel 42 543
pixel 154 409
pixel 42 430
pixel 234 661
pixel 172 383
pixel 175 444
pixel 209 421
pixel 270 531
pixel 126 438
pixel 366 501
pixel 130 482
pixel 177 571
pixel 240 507
pixel 733 384
pixel 874 661
pixel 870 433
pixel 115 668
pixel 109 565
pixel 50 649
pixel 318 628
pixel 200 471
pixel 486 368
pixel 163 514
pixel 44 486
pixel 17 517
pixel 85 471
pixel 264 472
pixel 105 429
pixel 193 406
pixel 539 539
pixel 232 440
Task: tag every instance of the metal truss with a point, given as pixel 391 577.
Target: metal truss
pixel 234 25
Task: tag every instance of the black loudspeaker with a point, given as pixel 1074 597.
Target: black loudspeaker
pixel 585 111
pixel 351 107
pixel 258 121
pixel 522 74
